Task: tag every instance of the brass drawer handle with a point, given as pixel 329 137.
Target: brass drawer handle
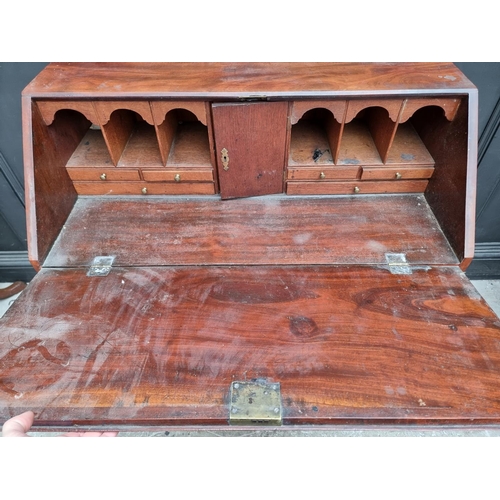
pixel 356 189
pixel 322 175
pixel 144 190
pixel 177 178
pixel 398 175
pixel 103 177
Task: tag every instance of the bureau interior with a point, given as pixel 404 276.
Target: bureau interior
pixel 139 180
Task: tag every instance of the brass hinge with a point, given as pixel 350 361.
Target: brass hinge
pixel 255 402
pixel 397 263
pixel 101 266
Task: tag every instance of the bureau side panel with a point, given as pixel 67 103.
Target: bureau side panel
pixel 50 187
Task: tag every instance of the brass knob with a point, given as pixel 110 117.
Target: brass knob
pixel 398 175
pixel 144 190
pixel 103 177
pixel 356 189
pixel 177 178
pixel 322 175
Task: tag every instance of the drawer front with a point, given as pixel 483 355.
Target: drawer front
pixel 144 188
pixel 367 187
pixel 178 176
pixel 394 173
pixel 321 174
pixel 103 175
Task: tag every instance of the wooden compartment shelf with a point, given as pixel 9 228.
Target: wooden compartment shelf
pixel 310 144
pixel 190 146
pixel 135 137
pixel 376 141
pixel 141 150
pixel 91 152
pixel 357 146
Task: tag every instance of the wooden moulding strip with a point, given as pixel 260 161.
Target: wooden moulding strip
pixel 448 104
pixel 48 109
pixel 106 108
pixel 29 182
pixel 299 108
pixel 160 109
pixel 392 106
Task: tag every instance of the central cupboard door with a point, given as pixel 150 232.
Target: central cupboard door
pixel 250 140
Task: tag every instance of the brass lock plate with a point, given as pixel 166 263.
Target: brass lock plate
pixel 255 402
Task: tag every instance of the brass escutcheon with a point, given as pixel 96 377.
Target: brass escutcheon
pixel 356 189
pixel 398 175
pixel 144 190
pixel 322 175
pixel 103 177
pixel 177 178
pixel 225 158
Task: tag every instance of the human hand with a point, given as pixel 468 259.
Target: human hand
pixel 19 426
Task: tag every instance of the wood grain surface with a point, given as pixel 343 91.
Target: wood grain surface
pixel 144 231
pixel 359 187
pixel 235 80
pixel 162 345
pixel 452 188
pixel 55 195
pixel 254 134
pixel 110 188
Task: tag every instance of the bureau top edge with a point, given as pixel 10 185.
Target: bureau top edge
pixel 241 96
pixel 245 80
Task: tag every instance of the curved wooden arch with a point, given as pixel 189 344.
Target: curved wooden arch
pixel 448 105
pixel 48 110
pixel 300 108
pixel 106 108
pixel 392 106
pixel 160 109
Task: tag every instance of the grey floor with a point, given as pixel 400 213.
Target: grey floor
pixel 489 289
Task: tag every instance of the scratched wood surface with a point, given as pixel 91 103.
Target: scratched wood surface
pixel 254 136
pixel 162 345
pixel 241 79
pixel 285 230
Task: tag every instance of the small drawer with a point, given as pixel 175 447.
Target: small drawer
pixel 144 188
pixel 323 174
pixel 395 173
pixel 366 187
pixel 103 175
pixel 178 176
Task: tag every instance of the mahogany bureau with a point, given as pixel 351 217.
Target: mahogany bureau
pixel 250 244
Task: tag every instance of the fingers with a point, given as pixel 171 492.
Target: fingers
pixel 90 434
pixel 18 426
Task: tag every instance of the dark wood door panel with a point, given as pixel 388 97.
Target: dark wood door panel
pixel 254 136
pixel 158 346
